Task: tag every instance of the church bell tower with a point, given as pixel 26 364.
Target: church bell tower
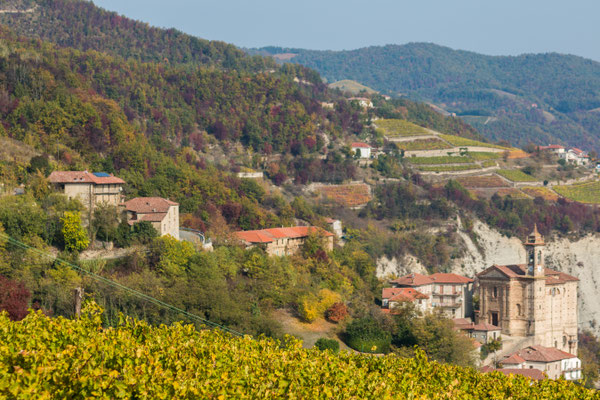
pixel 534 247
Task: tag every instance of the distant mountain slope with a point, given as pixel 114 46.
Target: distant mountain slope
pixel 539 98
pixel 82 25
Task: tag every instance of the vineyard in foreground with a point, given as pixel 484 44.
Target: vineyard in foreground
pixel 42 357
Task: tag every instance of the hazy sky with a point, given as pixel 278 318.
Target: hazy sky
pixel 497 27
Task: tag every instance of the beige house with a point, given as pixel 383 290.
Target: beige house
pixel 91 188
pixel 450 292
pixel 394 297
pixel 531 300
pixel 163 214
pixel 283 241
pixel 553 362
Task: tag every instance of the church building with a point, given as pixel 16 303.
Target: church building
pixel 531 300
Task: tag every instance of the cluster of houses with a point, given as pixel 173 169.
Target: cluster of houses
pixel 527 302
pixel 572 155
pixel 95 188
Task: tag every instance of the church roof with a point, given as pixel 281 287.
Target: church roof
pixel 520 270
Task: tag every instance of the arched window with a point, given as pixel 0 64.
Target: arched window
pixel 519 311
pixel 564 341
pixel 495 292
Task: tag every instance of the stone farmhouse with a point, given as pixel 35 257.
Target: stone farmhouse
pixel 531 300
pixel 450 292
pixel 163 214
pixel 283 241
pixel 91 188
pixel 553 362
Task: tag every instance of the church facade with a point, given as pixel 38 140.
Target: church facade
pixel 531 300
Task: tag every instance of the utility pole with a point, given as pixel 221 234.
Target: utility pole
pixel 78 300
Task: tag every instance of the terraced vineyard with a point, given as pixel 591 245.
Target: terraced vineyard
pixel 541 191
pixel 483 181
pixel 458 141
pixel 516 175
pixel 423 144
pixel 448 168
pixel 399 127
pixel 588 192
pixel 347 195
pixel 439 160
pixel 512 192
pixel 43 357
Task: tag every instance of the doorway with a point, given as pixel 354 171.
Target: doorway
pixel 495 318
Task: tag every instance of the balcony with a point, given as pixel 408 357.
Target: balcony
pixel 455 294
pixel 446 305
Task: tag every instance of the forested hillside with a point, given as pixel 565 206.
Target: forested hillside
pixel 82 25
pixel 530 98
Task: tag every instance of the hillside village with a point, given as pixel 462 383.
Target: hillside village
pixel 532 335
pixel 161 187
pixel 529 309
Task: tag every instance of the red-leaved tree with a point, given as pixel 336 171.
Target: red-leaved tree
pixel 14 298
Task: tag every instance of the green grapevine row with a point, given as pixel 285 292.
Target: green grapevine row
pixel 42 357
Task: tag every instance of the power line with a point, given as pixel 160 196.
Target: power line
pixel 120 286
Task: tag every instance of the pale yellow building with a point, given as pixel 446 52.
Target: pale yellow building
pixel 91 188
pixel 163 214
pixel 531 300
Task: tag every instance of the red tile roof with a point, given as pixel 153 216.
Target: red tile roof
pixel 402 294
pixel 466 325
pixel 449 278
pixel 542 354
pixel 83 177
pixel 577 151
pixel 532 373
pixel 413 279
pixel 269 235
pixel 462 323
pixel 149 205
pixel 520 270
pixel 485 327
pixel 513 359
pixel 361 144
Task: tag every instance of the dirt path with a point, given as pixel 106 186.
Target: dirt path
pixel 309 333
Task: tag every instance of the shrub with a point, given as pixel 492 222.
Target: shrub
pixel 310 306
pixel 337 312
pixel 328 344
pixel 367 336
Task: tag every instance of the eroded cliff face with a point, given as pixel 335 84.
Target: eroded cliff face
pixel 580 258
